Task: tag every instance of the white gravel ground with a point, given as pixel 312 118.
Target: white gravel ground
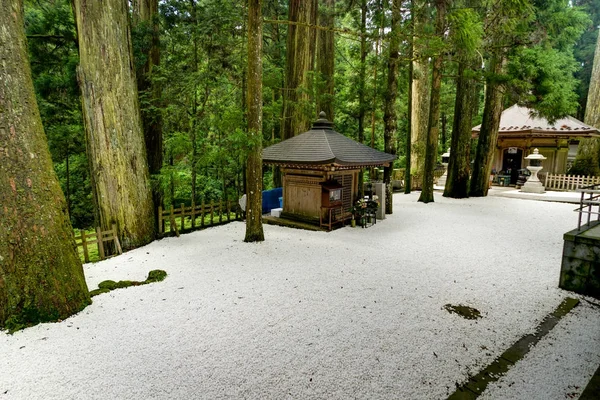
pixel 355 313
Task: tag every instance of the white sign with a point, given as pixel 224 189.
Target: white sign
pixel 512 150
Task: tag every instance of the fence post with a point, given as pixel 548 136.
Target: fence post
pixel 100 243
pixel 202 209
pixel 182 217
pixel 86 256
pixel 193 214
pixel 173 224
pixel 161 226
pixel 220 211
pixel 212 213
pixel 116 239
pixel 228 210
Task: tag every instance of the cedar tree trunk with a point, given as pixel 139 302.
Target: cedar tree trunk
pixel 41 278
pixel 457 184
pixel 421 89
pixel 389 110
pixel 145 14
pixel 588 152
pixel 297 109
pixel 488 136
pixel 362 76
pixel 434 109
pixel 115 141
pixel 325 60
pixel 254 228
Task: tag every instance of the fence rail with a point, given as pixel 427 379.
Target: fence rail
pixel 86 239
pixel 209 214
pixel 589 204
pixel 569 182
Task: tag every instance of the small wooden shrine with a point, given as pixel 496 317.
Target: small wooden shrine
pixel 320 172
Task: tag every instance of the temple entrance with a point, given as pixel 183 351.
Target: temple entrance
pixel 511 163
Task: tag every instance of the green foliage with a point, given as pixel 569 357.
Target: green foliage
pixel 466 29
pixel 584 166
pixel 543 80
pixel 52 47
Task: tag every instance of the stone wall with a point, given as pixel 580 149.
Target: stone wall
pixel 580 268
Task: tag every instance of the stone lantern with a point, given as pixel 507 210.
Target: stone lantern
pixel 445 159
pixel 533 184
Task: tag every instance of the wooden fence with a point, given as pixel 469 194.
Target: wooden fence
pixel 569 182
pixel 86 239
pixel 209 214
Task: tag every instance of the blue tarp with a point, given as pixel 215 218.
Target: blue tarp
pixel 271 199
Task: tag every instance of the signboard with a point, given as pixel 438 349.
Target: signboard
pixel 512 150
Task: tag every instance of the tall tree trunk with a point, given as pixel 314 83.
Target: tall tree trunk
pixel 362 77
pixel 254 228
pixel 421 90
pixel 68 183
pixel 380 29
pixel 325 60
pixel 145 14
pixel 592 110
pixel 588 151
pixel 465 105
pixel 115 141
pixel 390 113
pixel 443 139
pixel 488 135
pixel 409 119
pixel 41 277
pixel 434 109
pixel 297 109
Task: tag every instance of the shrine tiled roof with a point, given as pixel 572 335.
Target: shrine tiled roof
pixel 519 120
pixel 321 145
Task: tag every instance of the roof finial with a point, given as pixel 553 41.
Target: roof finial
pixel 322 122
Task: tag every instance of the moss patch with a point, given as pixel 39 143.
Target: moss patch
pixel 155 275
pixel 463 311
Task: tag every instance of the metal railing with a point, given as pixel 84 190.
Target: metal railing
pixel 590 201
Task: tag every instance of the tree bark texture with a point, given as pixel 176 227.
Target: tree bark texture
pixel 254 228
pixel 488 135
pixel 411 54
pixel 421 90
pixel 297 106
pixel 588 151
pixel 146 16
pixel 465 105
pixel 325 60
pixel 41 277
pixel 362 77
pixel 592 109
pixel 433 130
pixel 115 142
pixel 390 116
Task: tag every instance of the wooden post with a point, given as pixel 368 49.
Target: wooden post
pixel 86 256
pixel 116 239
pixel 100 243
pixel 228 210
pixel 212 213
pixel 193 214
pixel 173 225
pixel 182 217
pixel 161 221
pixel 220 211
pixel 202 215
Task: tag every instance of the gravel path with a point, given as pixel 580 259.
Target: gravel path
pixel 355 313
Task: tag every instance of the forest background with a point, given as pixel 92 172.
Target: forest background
pixel 196 89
